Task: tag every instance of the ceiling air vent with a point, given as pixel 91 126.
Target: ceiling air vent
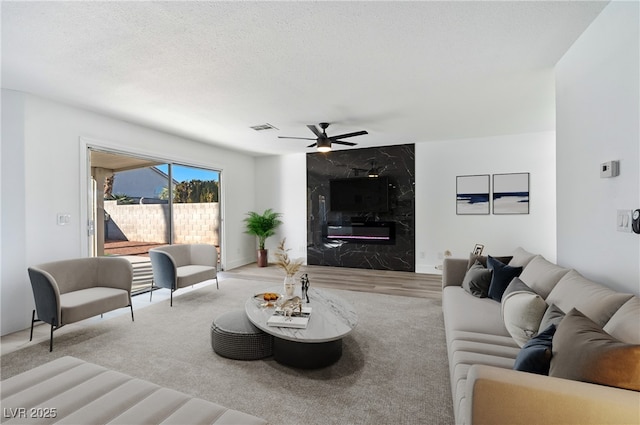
pixel 262 127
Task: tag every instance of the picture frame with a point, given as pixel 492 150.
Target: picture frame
pixel 511 193
pixel 477 250
pixel 472 194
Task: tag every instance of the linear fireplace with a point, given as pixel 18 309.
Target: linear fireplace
pixel 376 232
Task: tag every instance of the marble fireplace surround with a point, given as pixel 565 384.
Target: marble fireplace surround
pixel 397 163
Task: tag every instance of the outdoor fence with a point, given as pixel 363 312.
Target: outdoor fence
pixel 193 223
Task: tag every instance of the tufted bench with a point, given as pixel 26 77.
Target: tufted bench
pixel 235 337
pixel 69 390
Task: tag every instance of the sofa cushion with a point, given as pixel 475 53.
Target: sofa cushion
pixel 501 276
pixel 595 301
pixel 521 257
pixel 522 310
pixel 583 351
pixel 542 275
pixel 535 356
pixel 84 303
pixel 552 316
pixel 464 312
pixel 192 274
pixel 477 280
pixel 625 323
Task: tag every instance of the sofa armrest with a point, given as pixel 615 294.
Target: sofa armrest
pixel 453 271
pixel 505 396
pixel 46 295
pixel 164 270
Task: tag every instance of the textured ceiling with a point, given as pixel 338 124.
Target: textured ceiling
pixel 404 71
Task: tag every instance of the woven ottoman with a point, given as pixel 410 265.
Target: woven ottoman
pixel 235 337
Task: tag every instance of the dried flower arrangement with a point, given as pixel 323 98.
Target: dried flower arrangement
pixel 291 267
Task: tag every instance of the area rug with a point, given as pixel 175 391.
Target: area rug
pixel 393 369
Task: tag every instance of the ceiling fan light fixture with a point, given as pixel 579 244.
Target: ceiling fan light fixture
pixel 324 145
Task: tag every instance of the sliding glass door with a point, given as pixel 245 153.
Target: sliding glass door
pixel 138 203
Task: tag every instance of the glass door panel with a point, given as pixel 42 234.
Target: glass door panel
pixel 196 206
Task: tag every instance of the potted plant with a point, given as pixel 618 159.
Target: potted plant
pixel 262 226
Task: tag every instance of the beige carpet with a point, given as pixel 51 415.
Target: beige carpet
pixel 393 369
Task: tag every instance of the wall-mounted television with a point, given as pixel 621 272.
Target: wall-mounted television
pixel 359 194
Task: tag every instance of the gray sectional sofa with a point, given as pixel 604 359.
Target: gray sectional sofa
pixel 593 360
pixel 69 390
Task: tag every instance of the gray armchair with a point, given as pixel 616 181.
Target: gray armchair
pixel 68 291
pixel 178 266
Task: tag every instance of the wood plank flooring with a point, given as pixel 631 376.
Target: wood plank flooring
pixel 377 281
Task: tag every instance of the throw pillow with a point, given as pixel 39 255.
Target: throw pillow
pixel 535 356
pixel 521 257
pixel 522 311
pixel 483 260
pixel 501 276
pixel 542 275
pixel 476 281
pixel 582 351
pixel 592 299
pixel 624 325
pixel 553 315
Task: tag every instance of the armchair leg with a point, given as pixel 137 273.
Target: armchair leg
pixel 171 304
pixel 51 337
pixel 217 287
pixel 132 319
pixel 33 320
pixel 151 292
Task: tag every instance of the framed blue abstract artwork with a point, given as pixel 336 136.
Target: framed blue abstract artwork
pixel 511 193
pixel 472 194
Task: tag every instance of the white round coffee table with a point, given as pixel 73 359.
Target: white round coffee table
pixel 320 343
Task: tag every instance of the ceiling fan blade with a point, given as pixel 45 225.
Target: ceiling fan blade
pixel 300 138
pixel 340 142
pixel 315 130
pixel 310 146
pixel 343 136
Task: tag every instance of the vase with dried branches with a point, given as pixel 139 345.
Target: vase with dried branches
pixel 290 267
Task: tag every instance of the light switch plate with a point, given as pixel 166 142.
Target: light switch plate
pixel 623 221
pixel 63 219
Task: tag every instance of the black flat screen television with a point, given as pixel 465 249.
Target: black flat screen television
pixel 359 194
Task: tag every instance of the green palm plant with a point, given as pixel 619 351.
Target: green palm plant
pixel 262 225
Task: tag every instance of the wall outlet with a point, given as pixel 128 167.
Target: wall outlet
pixel 623 221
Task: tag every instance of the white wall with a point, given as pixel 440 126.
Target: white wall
pixel 281 184
pixel 597 106
pixel 438 228
pixel 14 290
pixel 43 173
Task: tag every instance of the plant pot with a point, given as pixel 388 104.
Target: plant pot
pixel 263 257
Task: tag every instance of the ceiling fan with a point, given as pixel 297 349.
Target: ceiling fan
pixel 323 142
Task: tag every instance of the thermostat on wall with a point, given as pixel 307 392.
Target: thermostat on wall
pixel 610 169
